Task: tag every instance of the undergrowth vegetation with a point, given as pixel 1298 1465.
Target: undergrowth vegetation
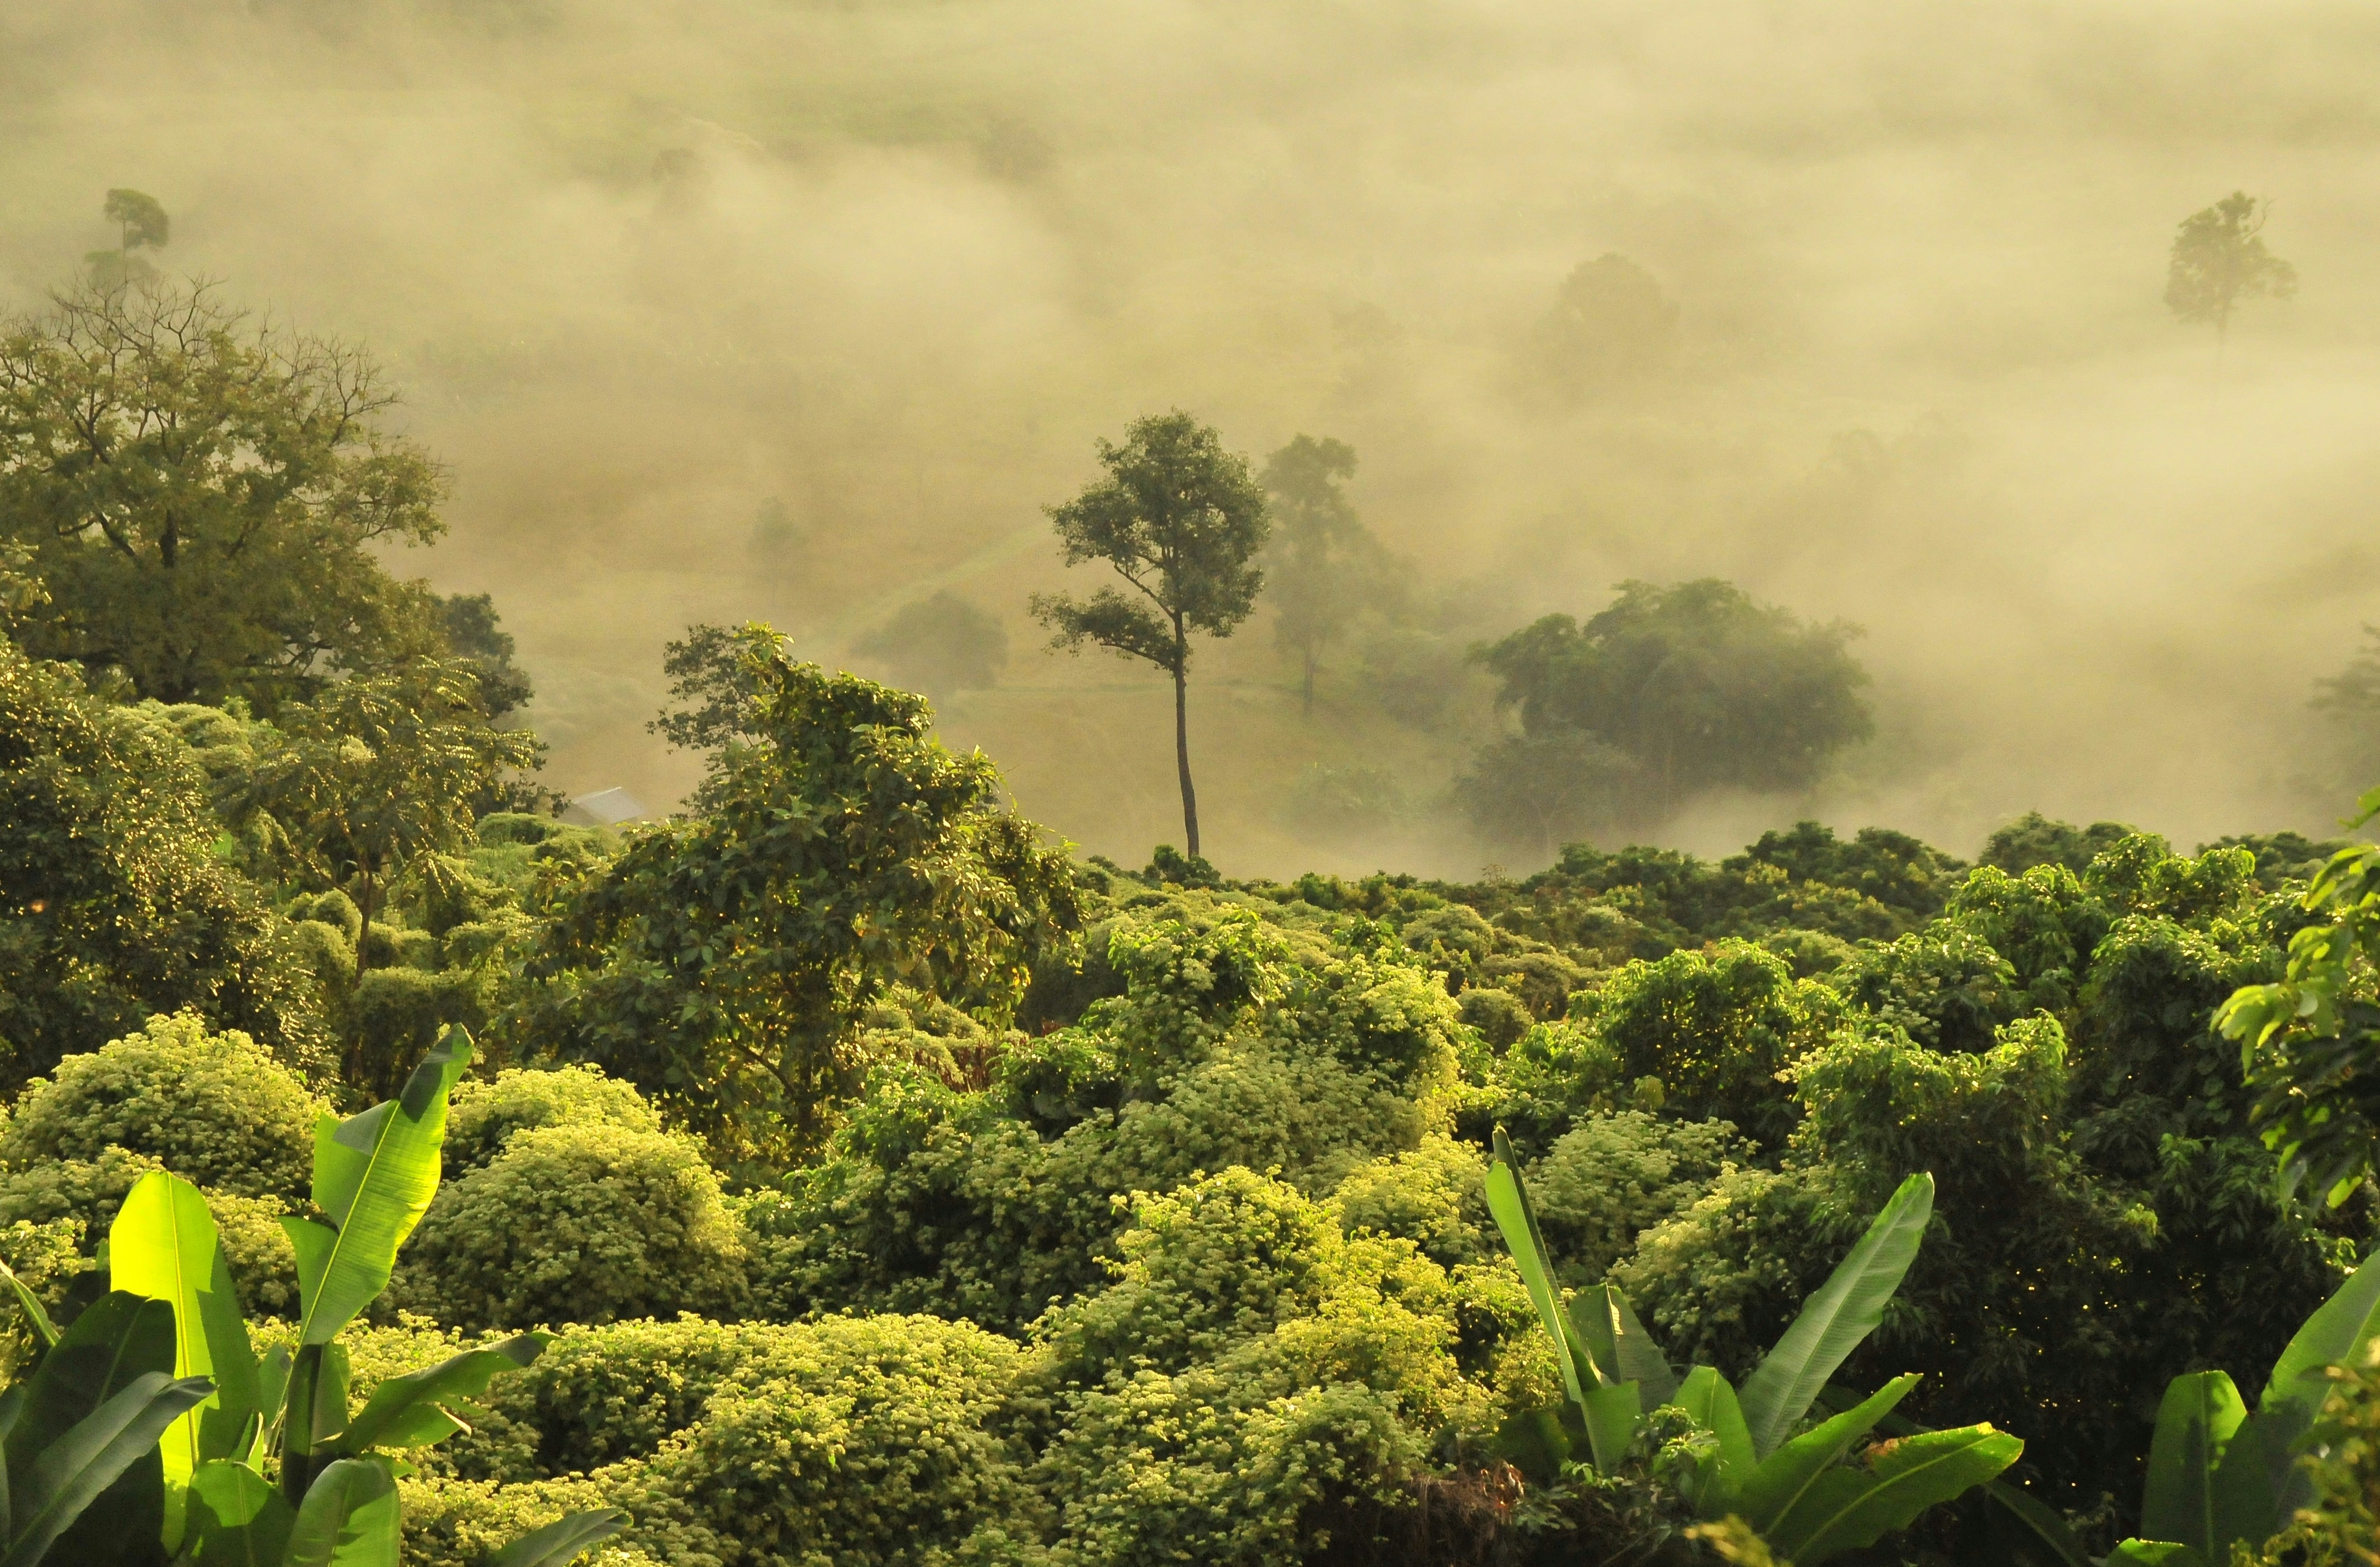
pixel 1076 1215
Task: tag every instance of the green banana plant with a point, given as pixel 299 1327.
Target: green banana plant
pixel 1794 1486
pixel 2219 1474
pixel 83 1465
pixel 218 1420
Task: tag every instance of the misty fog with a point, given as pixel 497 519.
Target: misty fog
pixel 803 311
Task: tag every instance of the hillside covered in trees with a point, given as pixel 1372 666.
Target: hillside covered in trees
pixel 846 1169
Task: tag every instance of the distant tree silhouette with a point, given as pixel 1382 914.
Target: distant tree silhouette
pixel 141 225
pixel 2219 261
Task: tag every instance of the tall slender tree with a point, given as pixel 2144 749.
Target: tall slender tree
pixel 1181 520
pixel 2219 260
pixel 141 225
pixel 1325 567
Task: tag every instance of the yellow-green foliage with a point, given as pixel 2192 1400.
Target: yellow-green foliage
pixel 1249 1363
pixel 994 1205
pixel 486 1112
pixel 854 1440
pixel 584 1222
pixel 215 1109
pixel 1432 1196
pixel 1612 1177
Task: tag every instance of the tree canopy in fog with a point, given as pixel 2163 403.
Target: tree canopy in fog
pixel 1610 324
pixel 203 495
pixel 1697 686
pixel 2220 261
pixel 1324 567
pixel 940 645
pixel 1181 520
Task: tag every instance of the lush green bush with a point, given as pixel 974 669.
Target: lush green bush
pixel 1251 1377
pixel 1431 1195
pixel 993 1204
pixel 487 1111
pixel 1612 1176
pixel 120 909
pixel 576 1223
pixel 1716 1028
pixel 334 908
pixel 215 1109
pixel 852 1440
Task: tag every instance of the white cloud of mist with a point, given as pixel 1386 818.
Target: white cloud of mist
pixel 642 268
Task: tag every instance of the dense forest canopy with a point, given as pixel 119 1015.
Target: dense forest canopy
pixel 412 1151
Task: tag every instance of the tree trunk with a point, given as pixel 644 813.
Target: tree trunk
pixel 1182 748
pixel 354 1065
pixel 364 907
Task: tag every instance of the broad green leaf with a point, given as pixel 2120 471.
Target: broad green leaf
pixel 272 1389
pixel 1853 1506
pixel 2155 1553
pixel 1774 1488
pixel 349 1519
pixel 2260 1483
pixel 562 1542
pixel 1709 1399
pixel 1612 1410
pixel 1507 1203
pixel 117 1339
pixel 328 1421
pixel 2194 1423
pixel 2256 1482
pixel 1845 1310
pixel 314 1244
pixel 2339 1327
pixel 236 1517
pixel 374 1174
pixel 2040 1521
pixel 1533 1441
pixel 113 1339
pixel 1590 1322
pixel 409 1411
pixel 72 1472
pixel 1616 1342
pixel 27 1302
pixel 1641 1360
pixel 163 1246
pixel 12 1407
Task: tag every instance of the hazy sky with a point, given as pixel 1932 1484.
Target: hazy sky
pixel 641 268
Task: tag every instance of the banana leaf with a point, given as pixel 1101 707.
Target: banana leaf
pixel 1617 1343
pixel 237 1518
pixel 117 1338
pixel 1852 1506
pixel 163 1246
pixel 45 1330
pixel 409 1411
pixel 2260 1483
pixel 349 1519
pixel 1776 1487
pixel 68 1473
pixel 562 1542
pixel 1612 1411
pixel 374 1174
pixel 2195 1423
pixel 2155 1553
pixel 1709 1399
pixel 1507 1203
pixel 1845 1309
pixel 2340 1328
